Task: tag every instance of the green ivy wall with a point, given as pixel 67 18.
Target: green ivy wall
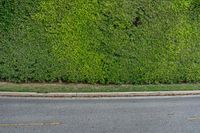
pixel 100 41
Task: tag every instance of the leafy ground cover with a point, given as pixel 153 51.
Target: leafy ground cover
pixel 100 41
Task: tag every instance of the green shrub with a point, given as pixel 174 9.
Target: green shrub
pixel 100 41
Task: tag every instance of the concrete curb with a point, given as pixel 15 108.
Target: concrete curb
pixel 96 95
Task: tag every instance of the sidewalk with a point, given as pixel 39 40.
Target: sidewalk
pixel 102 94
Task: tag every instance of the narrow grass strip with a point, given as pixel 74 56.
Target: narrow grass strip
pixel 48 88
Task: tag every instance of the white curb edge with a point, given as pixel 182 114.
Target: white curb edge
pixel 101 94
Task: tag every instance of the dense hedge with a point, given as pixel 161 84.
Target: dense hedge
pixel 100 41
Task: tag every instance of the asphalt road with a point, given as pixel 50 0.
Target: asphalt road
pixel 132 115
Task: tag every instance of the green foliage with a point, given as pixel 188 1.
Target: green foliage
pixel 100 41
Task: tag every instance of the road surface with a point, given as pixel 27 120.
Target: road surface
pixel 128 115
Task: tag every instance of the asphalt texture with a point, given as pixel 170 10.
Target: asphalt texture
pixel 125 115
